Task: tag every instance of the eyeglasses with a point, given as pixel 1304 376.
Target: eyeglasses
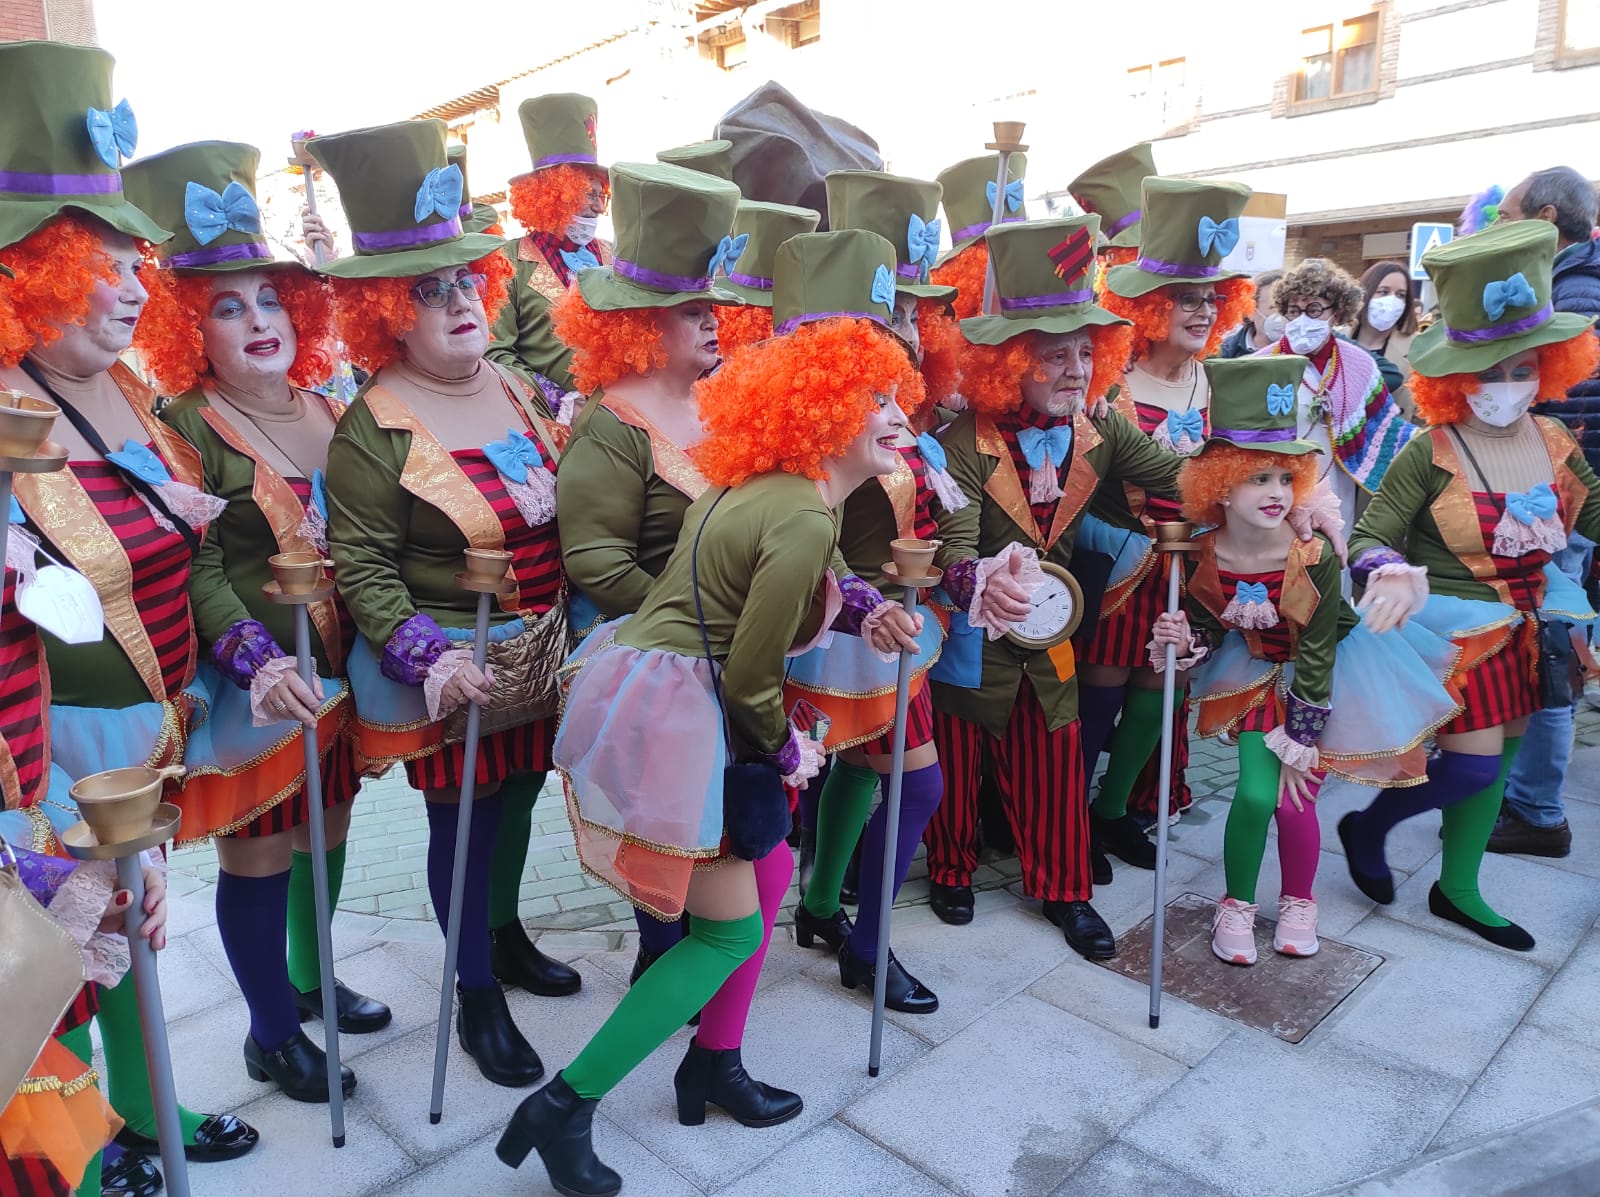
pixel 436 294
pixel 1192 301
pixel 1315 310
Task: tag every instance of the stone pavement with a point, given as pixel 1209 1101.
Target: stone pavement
pixel 1037 1076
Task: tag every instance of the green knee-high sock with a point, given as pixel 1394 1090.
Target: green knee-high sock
pixel 305 973
pixel 1467 825
pixel 518 793
pixel 1244 839
pixel 77 1042
pixel 1138 732
pixel 670 991
pixel 127 1075
pixel 842 812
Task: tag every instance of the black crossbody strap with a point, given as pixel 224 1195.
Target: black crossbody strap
pixel 700 617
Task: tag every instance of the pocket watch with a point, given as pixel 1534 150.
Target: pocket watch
pixel 1057 610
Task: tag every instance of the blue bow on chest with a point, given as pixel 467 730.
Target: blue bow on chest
pixel 1189 424
pixel 1039 443
pixel 932 451
pixel 514 456
pixel 140 461
pixel 1534 504
pixel 1251 592
pixel 580 259
pixel 319 493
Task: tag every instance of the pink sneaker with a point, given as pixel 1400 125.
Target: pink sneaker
pixel 1297 927
pixel 1233 931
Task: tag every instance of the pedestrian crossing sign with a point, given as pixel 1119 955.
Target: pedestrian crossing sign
pixel 1423 238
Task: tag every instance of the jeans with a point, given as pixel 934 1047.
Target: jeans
pixel 1538 775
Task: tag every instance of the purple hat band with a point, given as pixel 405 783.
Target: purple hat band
pixel 408 238
pixel 979 229
pixel 1128 221
pixel 563 159
pixel 646 277
pixel 1176 269
pixel 1058 300
pixel 1470 336
pixel 464 211
pixel 1254 436
pixel 23 183
pixel 794 322
pixel 909 270
pixel 248 251
pixel 754 281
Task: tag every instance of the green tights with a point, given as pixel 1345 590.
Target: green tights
pixel 304 971
pixel 1467 825
pixel 842 812
pixel 127 1075
pixel 1136 737
pixel 518 793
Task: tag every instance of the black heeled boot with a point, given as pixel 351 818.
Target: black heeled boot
pixel 516 961
pixel 558 1124
pixel 358 1014
pixel 299 1068
pixel 901 991
pixel 832 931
pixel 718 1078
pixel 486 1033
pixel 1122 838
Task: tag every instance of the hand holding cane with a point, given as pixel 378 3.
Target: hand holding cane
pixel 1007 141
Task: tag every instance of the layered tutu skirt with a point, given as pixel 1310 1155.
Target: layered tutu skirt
pixel 855 688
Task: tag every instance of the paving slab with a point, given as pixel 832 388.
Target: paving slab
pixel 1535 1074
pixel 1409 846
pixel 190 981
pixel 375 972
pixel 1118 1170
pixel 833 1159
pixel 1567 1007
pixel 1583 776
pixel 1121 1005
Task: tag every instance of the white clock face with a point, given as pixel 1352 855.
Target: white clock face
pixel 1053 608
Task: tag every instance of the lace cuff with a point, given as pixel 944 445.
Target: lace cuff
pixel 191 504
pixel 242 651
pixel 1370 559
pixel 448 664
pixel 268 676
pixel 535 499
pixel 1028 576
pixel 1416 575
pixel 1199 649
pixel 1320 511
pixel 78 906
pixel 1291 752
pixel 412 650
pixel 960 580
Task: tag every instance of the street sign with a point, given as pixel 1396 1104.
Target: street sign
pixel 1423 238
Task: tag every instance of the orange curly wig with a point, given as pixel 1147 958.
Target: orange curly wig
pixel 371 314
pixel 1206 479
pixel 965 273
pixel 991 375
pixel 56 267
pixel 169 330
pixel 1151 314
pixel 1561 367
pixel 607 345
pixel 547 200
pixel 741 326
pixel 791 403
pixel 941 350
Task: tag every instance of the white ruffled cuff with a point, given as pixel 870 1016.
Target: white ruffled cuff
pixel 268 676
pixel 1197 652
pixel 945 488
pixel 1291 752
pixel 1029 577
pixel 1321 505
pixel 449 663
pixel 191 504
pixel 1416 575
pixel 871 623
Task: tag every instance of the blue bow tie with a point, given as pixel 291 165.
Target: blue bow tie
pixel 1039 443
pixel 110 132
pixel 883 286
pixel 1251 592
pixel 1013 194
pixel 932 451
pixel 440 193
pixel 514 456
pixel 139 461
pixel 582 259
pixel 1220 235
pixel 1513 292
pixel 1186 423
pixel 1535 503
pixel 922 240
pixel 16 511
pixel 210 215
pixel 319 493
pixel 728 251
pixel 1280 398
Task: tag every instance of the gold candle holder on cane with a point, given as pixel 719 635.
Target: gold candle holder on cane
pixel 1007 138
pixel 25 447
pixel 122 812
pixel 913 563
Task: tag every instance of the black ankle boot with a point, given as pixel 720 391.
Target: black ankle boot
pixel 487 1034
pixel 901 991
pixel 1122 838
pixel 718 1078
pixel 808 858
pixel 832 930
pixel 516 961
pixel 299 1068
pixel 558 1124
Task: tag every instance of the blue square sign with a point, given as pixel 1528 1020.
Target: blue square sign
pixel 1423 238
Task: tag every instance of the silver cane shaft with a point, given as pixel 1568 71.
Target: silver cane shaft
pixel 998 214
pixel 1169 687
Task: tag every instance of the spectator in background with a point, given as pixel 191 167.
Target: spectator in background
pixel 1534 821
pixel 1263 328
pixel 1387 322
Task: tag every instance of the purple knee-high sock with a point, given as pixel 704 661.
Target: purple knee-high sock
pixel 920 792
pixel 472 959
pixel 1452 776
pixel 252 919
pixel 1097 714
pixel 656 936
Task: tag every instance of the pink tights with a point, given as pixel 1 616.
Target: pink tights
pixel 722 1021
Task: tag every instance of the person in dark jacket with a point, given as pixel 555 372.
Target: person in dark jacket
pixel 1254 333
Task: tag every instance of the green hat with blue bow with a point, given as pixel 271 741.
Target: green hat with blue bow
pixel 1043 280
pixel 1186 228
pixel 206 192
pixel 758 230
pixel 902 211
pixel 1112 188
pixel 1254 402
pixel 969 194
pixel 818 276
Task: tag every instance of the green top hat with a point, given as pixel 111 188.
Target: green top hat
pixel 758 229
pixel 672 236
pixel 475 217
pixel 62 141
pixel 903 211
pixel 818 276
pixel 1254 403
pixel 1186 229
pixel 1044 278
pixel 560 129
pixel 1112 188
pixel 206 192
pixel 969 197
pixel 402 199
pixel 708 157
pixel 1494 300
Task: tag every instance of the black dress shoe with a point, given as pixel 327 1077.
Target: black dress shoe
pixel 1512 835
pixel 299 1068
pixel 517 962
pixel 901 991
pixel 358 1014
pixel 219 1137
pixel 1379 889
pixel 808 858
pixel 1100 867
pixel 1510 936
pixel 486 1033
pixel 130 1175
pixel 850 887
pixel 952 903
pixel 808 928
pixel 1085 931
pixel 718 1078
pixel 1123 838
pixel 559 1124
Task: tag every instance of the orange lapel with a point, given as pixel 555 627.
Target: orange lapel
pixel 1004 486
pixel 1456 516
pixel 670 462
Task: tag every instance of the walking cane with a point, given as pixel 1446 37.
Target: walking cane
pixel 913 569
pixel 24 424
pixel 309 166
pixel 486 575
pixel 1173 540
pixel 122 818
pixel 1007 141
pixel 299 582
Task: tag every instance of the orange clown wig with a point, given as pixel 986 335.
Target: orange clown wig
pixel 1150 314
pixel 942 343
pixel 371 315
pixel 741 326
pixel 965 273
pixel 547 200
pixel 57 267
pixel 608 345
pixel 1207 479
pixel 1561 367
pixel 991 375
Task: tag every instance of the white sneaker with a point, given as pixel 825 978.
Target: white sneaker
pixel 1296 934
pixel 1233 931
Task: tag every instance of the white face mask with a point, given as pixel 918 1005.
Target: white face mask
pixel 581 229
pixel 63 602
pixel 1500 403
pixel 1384 311
pixel 1306 335
pixel 1272 327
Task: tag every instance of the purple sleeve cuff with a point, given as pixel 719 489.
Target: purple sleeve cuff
pixel 43 875
pixel 243 649
pixel 787 758
pixel 412 650
pixel 1361 568
pixel 1306 721
pixel 959 581
pixel 861 599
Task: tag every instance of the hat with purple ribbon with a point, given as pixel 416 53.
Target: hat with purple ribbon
pixel 745 266
pixel 475 217
pixel 969 197
pixel 560 130
pixel 1494 300
pixel 1043 280
pixel 905 212
pixel 206 193
pixel 62 141
pixel 1254 403
pixel 845 274
pixel 1112 189
pixel 1186 228
pixel 402 198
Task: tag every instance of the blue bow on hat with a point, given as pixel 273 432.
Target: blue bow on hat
pixel 112 131
pixel 1513 292
pixel 1221 235
pixel 581 259
pixel 210 215
pixel 1039 443
pixel 319 493
pixel 1251 592
pixel 883 286
pixel 1535 503
pixel 728 251
pixel 1280 398
pixel 1189 424
pixel 1013 194
pixel 16 511
pixel 932 451
pixel 141 462
pixel 922 240
pixel 514 456
pixel 440 193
